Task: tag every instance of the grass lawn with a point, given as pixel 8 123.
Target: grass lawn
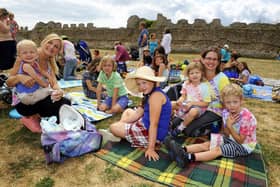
pixel 22 161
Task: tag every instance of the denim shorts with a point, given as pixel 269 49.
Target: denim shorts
pixel 122 101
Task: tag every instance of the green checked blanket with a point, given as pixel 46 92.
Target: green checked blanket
pixel 243 171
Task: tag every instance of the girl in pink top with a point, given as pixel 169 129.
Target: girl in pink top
pixel 194 99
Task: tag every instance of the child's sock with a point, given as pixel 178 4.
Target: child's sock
pixel 185 149
pixel 181 127
pixel 190 157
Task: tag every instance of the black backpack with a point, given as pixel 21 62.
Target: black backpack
pixel 174 92
pixel 199 127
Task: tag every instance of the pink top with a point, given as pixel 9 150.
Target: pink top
pixel 247 126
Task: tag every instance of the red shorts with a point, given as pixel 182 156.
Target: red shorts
pixel 137 134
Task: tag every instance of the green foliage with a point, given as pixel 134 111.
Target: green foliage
pixel 45 182
pixel 111 174
pixel 149 23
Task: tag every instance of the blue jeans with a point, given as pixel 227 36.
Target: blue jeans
pixel 122 101
pixel 69 69
pixel 121 67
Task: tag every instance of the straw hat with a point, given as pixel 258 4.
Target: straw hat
pixel 143 72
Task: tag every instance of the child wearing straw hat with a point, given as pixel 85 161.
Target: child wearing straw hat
pixel 148 124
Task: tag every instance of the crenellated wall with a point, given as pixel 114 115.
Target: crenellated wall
pixel 253 40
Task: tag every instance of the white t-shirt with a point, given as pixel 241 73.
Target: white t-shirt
pixel 69 50
pixel 166 43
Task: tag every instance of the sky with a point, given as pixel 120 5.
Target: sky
pixel 115 13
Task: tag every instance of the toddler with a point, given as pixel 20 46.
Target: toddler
pixel 195 97
pixel 28 55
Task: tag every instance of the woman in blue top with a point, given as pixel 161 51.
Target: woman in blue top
pixel 147 125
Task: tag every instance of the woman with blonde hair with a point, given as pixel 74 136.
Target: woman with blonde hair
pixel 50 47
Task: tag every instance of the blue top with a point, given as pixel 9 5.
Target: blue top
pixel 152 46
pixel 225 54
pixel 21 88
pixel 92 77
pixel 140 38
pixel 164 118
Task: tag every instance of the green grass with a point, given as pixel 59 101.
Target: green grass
pixel 111 174
pixel 22 156
pixel 272 155
pixel 45 182
pixel 18 168
pixel 24 135
pixel 141 185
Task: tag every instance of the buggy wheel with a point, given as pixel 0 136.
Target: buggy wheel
pixel 7 97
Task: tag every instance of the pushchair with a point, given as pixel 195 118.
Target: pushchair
pixel 134 53
pixel 5 91
pixel 84 54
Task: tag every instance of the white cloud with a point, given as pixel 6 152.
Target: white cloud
pixel 115 13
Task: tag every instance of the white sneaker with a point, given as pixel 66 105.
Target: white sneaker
pixel 108 136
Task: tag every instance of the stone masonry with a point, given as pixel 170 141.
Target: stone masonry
pixel 253 40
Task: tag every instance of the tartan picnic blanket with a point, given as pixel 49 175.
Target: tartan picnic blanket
pixel 242 171
pixel 69 84
pixel 87 107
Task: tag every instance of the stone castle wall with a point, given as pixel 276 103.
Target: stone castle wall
pixel 252 40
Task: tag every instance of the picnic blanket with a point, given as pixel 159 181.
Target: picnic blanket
pixel 261 92
pixel 243 171
pixel 68 84
pixel 87 107
pixel 271 82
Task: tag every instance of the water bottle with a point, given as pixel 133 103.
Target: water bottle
pixel 215 127
pixel 182 110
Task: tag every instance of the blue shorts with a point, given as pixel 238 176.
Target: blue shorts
pixel 122 101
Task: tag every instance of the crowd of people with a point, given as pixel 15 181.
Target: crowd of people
pixel 207 95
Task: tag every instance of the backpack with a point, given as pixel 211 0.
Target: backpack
pixel 5 91
pixel 61 141
pixel 199 126
pixel 256 80
pixel 173 92
pixel 174 74
pixel 205 128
